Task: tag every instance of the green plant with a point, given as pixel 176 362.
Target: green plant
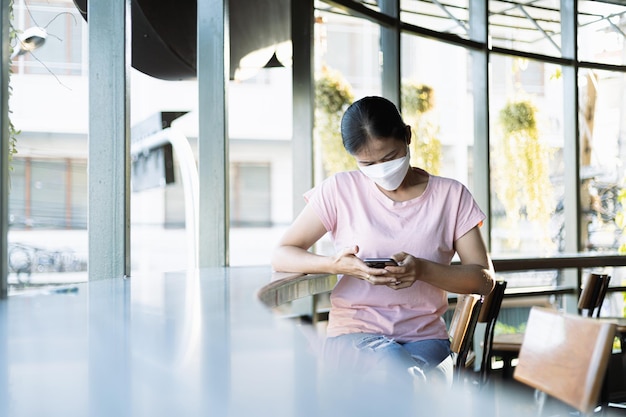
pixel 521 177
pixel 418 100
pixel 502 328
pixel 13 132
pixel 333 94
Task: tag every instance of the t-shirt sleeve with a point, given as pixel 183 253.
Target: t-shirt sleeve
pixel 322 199
pixel 469 214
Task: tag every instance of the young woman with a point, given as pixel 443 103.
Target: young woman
pixel 389 317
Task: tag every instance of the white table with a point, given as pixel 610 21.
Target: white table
pixel 179 344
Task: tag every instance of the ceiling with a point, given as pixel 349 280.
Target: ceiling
pixel 527 25
pixel 164 33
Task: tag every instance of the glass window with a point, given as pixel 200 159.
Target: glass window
pixel 526 26
pixel 601 32
pixel 444 17
pixel 47 194
pixel 347 52
pixel 61 53
pixel 250 203
pixel 437 103
pixel 49 182
pixel 350 46
pixel 48 219
pixel 48 199
pixel 18 217
pixel 347 64
pixel 261 168
pixel 526 156
pixel 601 118
pixel 78 198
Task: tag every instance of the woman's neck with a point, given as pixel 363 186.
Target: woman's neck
pixel 413 186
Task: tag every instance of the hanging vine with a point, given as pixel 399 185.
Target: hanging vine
pixel 333 94
pixel 13 132
pixel 522 177
pixel 418 100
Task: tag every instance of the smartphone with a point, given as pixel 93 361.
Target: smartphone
pixel 380 262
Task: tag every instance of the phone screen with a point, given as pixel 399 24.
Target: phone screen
pixel 380 262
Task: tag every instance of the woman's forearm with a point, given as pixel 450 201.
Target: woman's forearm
pixel 295 259
pixel 460 279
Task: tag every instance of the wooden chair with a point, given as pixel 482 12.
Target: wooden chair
pixel 489 313
pixel 593 293
pixel 461 330
pixel 507 346
pixel 565 356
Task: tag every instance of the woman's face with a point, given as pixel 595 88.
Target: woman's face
pixel 378 150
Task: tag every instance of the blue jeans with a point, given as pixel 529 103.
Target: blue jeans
pixel 382 359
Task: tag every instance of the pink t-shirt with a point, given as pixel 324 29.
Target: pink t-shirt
pixel 355 212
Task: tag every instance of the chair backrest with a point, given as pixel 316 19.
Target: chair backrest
pixel 462 326
pixel 593 293
pixel 565 356
pixel 489 315
pixel 492 303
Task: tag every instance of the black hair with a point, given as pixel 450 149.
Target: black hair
pixel 371 117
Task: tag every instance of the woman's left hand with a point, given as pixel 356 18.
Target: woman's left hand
pixel 405 273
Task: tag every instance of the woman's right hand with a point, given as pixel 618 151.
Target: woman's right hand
pixel 346 262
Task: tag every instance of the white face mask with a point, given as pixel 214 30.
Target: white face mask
pixel 388 175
